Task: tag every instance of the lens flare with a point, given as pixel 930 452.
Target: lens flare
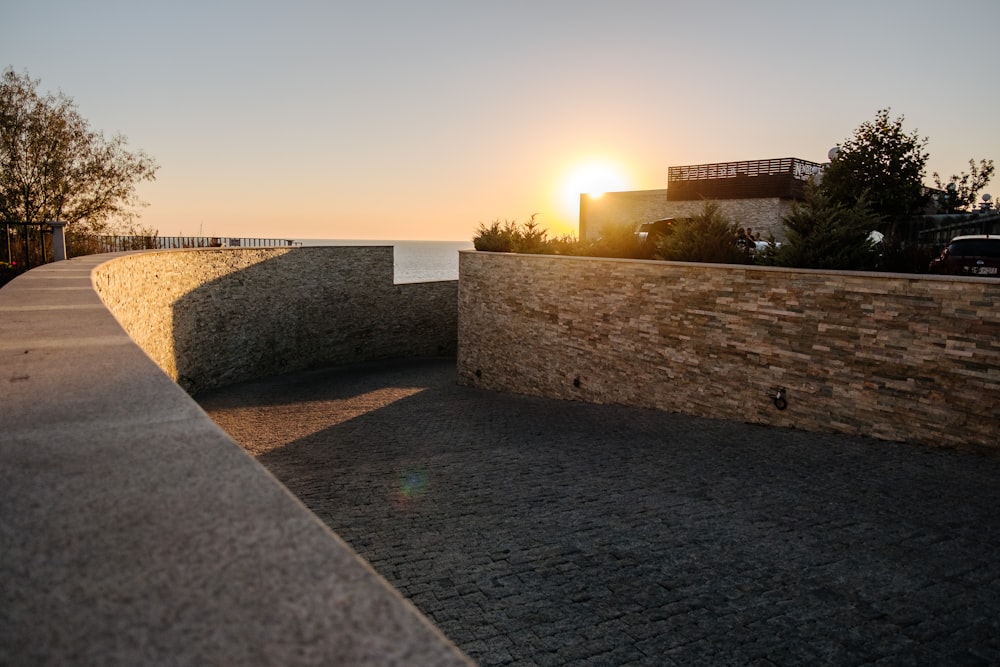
pixel 411 485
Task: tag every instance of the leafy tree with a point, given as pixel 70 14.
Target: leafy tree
pixel 826 234
pixel 961 191
pixel 54 167
pixel 882 165
pixel 706 237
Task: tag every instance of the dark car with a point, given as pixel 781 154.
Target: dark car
pixel 647 229
pixel 648 235
pixel 969 256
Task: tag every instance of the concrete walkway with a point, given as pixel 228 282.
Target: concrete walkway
pixel 540 532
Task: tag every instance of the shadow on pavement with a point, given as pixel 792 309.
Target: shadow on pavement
pixel 534 531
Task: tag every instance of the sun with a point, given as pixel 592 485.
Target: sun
pixel 596 177
pixel 592 177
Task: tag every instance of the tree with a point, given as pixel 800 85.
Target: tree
pixel 881 164
pixel 706 237
pixel 824 234
pixel 961 191
pixel 54 167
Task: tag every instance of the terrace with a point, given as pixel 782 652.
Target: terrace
pixel 783 178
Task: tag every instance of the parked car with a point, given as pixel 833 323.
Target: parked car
pixel 647 232
pixel 969 256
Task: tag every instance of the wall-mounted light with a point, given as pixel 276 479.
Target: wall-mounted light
pixel 779 399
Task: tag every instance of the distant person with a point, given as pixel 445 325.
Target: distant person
pixel 742 240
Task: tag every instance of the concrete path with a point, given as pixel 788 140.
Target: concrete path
pixel 540 532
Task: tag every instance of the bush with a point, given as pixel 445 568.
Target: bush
pixel 706 237
pixel 894 255
pixel 615 241
pixel 827 235
pixel 509 236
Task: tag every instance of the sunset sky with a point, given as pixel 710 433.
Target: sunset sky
pixel 422 119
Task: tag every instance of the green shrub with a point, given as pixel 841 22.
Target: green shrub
pixel 497 237
pixel 528 237
pixel 823 234
pixel 509 236
pixel 614 241
pixel 706 237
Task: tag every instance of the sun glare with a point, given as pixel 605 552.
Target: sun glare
pixel 593 178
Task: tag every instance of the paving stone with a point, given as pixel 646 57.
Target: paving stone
pixel 538 532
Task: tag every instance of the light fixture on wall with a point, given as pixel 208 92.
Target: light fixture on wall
pixel 779 399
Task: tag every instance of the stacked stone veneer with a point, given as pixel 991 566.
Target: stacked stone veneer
pixel 892 356
pixel 213 317
pixel 628 209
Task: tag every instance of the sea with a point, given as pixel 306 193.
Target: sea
pixel 413 261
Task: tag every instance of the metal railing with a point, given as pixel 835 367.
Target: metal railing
pixel 784 178
pixel 937 231
pixel 120 243
pixel 25 245
pixel 799 169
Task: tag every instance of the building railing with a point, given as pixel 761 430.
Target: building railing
pixel 799 169
pixel 783 178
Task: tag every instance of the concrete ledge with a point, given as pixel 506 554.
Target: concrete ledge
pixel 134 531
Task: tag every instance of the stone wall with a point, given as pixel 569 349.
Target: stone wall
pixel 617 209
pixel 214 317
pixel 891 356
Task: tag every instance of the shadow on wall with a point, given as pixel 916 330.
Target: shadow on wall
pixel 214 317
pixel 300 310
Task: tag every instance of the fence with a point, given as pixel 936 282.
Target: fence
pixel 25 245
pixel 120 243
pixel 751 179
pixel 800 169
pixel 939 230
pixel 87 244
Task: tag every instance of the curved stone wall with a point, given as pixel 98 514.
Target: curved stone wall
pixel 213 317
pixel 892 356
pixel 134 530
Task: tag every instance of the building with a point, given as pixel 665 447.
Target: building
pixel 753 193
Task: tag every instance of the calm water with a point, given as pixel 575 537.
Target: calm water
pixel 413 261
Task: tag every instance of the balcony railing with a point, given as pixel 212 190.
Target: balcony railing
pixel 750 179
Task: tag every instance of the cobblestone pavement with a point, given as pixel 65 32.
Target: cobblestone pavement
pixel 542 532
